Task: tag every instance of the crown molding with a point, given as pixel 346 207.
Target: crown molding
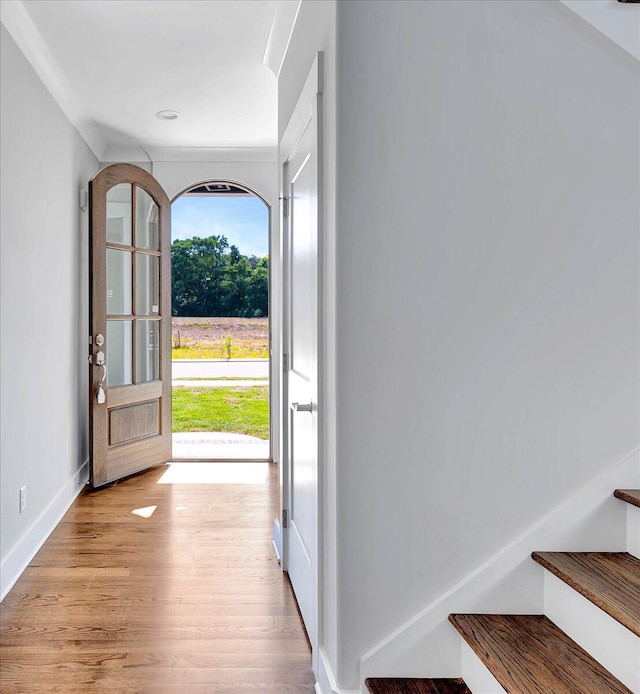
pixel 284 22
pixel 236 155
pixel 30 41
pixel 124 153
pixel 214 154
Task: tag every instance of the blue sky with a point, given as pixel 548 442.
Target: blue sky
pixel 243 220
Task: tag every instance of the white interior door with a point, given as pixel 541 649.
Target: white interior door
pixel 301 178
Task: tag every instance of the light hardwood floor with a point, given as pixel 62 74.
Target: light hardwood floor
pixel 188 600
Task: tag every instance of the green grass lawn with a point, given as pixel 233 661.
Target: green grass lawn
pixel 237 410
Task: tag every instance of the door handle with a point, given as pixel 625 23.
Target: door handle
pixel 300 407
pixel 101 396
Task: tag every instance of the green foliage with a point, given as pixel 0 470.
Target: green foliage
pixel 228 343
pixel 237 410
pixel 211 278
pixel 258 289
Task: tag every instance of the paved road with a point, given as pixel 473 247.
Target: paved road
pixel 220 368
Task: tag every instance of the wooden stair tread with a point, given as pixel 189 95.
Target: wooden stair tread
pixel 631 496
pixel 610 580
pixel 412 685
pixel 528 654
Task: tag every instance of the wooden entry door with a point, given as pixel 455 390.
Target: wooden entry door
pixel 130 341
pixel 301 181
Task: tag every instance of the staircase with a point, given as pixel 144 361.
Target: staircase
pixel 593 597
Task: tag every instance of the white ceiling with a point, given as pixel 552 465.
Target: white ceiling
pixel 121 61
pixel 112 64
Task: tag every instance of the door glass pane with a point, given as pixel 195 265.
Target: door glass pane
pixel 147 235
pixel 118 282
pixel 119 214
pixel 119 352
pixel 148 350
pixel 147 284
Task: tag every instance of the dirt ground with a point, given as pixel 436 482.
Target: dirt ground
pixel 194 329
pixel 202 338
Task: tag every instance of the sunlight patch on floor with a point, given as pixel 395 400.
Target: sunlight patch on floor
pixel 216 473
pixel 145 512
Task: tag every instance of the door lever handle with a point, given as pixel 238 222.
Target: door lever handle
pixel 101 396
pixel 300 407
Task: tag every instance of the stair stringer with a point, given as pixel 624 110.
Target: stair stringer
pixel 591 519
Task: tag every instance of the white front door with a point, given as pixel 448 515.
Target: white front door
pixel 301 177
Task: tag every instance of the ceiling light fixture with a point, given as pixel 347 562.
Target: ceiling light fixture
pixel 167 115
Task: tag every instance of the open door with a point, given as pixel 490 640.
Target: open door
pixel 130 341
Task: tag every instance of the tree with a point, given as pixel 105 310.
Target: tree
pixel 258 290
pixel 211 278
pixel 234 284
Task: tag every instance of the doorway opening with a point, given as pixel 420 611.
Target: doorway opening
pixel 220 323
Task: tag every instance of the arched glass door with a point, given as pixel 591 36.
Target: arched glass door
pixel 130 350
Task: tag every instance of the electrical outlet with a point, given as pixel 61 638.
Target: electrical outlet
pixel 23 498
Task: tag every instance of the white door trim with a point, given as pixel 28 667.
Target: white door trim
pixel 312 88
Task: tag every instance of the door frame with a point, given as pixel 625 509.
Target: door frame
pixel 274 360
pixel 310 97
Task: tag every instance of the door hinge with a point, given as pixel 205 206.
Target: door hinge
pixel 285 362
pixel 285 206
pixel 285 518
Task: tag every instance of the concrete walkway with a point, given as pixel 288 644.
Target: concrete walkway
pixel 219 446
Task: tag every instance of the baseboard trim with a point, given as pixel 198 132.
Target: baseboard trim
pixel 326 683
pixel 277 539
pixel 589 520
pixel 27 547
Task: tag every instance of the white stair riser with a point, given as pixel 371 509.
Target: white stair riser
pixel 604 638
pixel 476 675
pixel 633 530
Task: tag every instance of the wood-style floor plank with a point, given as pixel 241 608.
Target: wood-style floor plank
pixel 631 496
pixel 188 600
pixel 412 685
pixel 611 580
pixel 528 654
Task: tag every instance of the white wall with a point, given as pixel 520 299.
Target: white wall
pixel 44 316
pixel 487 283
pixel 315 31
pixel 262 176
pixel 619 21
